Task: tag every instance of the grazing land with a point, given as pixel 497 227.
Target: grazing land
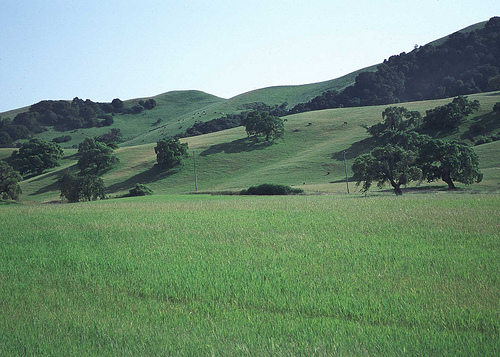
pixel 232 275
pixel 312 147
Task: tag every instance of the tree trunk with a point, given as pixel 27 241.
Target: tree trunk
pixel 447 179
pixel 397 190
pixel 397 187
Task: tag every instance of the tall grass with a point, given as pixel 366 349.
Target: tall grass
pixel 252 275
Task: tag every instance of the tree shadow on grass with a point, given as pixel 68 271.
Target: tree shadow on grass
pixel 54 176
pixel 237 146
pixel 154 174
pixel 358 148
pixel 489 122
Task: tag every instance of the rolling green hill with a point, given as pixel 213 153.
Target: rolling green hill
pixel 177 110
pixel 229 161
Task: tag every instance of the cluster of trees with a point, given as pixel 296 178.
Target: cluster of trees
pixel 96 154
pixel 451 115
pixel 226 122
pixel 234 120
pixel 33 157
pixel 404 155
pixel 36 156
pixel 111 139
pixel 275 110
pixel 81 188
pixel 64 115
pixel 465 63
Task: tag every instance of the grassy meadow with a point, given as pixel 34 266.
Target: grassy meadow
pixel 228 275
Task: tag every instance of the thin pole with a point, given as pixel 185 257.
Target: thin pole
pixel 346 179
pixel 195 175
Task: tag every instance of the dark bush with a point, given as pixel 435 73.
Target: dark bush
pixel 62 139
pixel 267 189
pixel 478 128
pixel 108 120
pixel 139 190
pixel 136 109
pixel 483 141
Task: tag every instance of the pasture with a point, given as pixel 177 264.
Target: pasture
pixel 231 275
pixel 229 161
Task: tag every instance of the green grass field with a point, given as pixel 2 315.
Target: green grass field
pixel 227 275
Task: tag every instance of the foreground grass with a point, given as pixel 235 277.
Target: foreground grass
pixel 191 275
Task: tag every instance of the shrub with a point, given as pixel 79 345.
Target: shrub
pixel 62 139
pixel 270 190
pixel 108 120
pixel 139 190
pixel 136 109
pixel 478 128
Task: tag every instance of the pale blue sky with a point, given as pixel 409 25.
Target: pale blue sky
pixel 105 49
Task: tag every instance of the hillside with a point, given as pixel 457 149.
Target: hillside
pixel 229 161
pixel 177 110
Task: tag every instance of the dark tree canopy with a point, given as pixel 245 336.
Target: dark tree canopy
pixel 36 156
pixel 9 182
pixel 229 121
pixel 449 161
pixel 148 104
pixel 390 164
pixel 263 124
pixel 112 138
pixel 139 190
pixel 435 159
pixel 95 156
pixel 465 63
pixel 451 115
pixel 396 120
pixel 81 188
pixel 117 104
pixel 169 152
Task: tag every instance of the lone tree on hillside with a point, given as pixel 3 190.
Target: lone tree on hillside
pixel 449 161
pixel 95 156
pixel 269 126
pixel 36 156
pixel 386 164
pixel 169 152
pixel 9 182
pixel 82 188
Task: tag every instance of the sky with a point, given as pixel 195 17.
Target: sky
pixel 106 49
